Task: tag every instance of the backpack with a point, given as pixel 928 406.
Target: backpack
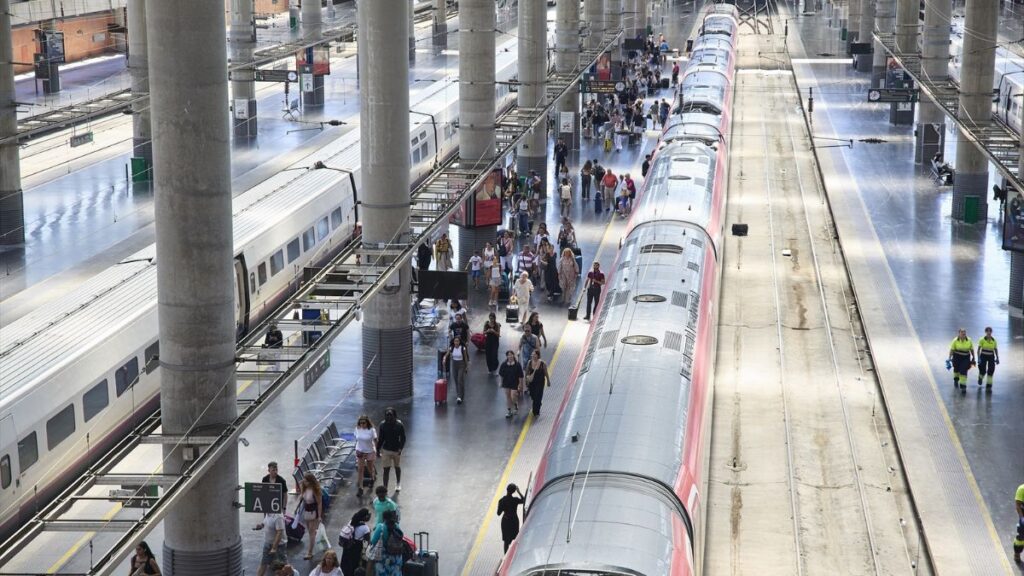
pixel 395 544
pixel 347 537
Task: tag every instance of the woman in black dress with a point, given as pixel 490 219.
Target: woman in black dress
pixel 536 379
pixel 492 330
pixel 508 509
pixel 352 546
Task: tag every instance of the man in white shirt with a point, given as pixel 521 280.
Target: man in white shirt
pixel 273 536
pixel 475 267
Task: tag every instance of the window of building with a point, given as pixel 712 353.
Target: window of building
pixel 336 218
pixel 5 472
pixel 60 426
pixel 262 271
pixel 151 357
pixel 28 452
pixel 126 375
pixel 277 262
pixel 322 229
pixel 308 240
pixel 95 400
pixel 294 249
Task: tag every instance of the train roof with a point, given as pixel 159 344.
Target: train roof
pixel 680 183
pixel 705 89
pixel 700 126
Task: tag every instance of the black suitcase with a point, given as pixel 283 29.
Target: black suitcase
pixel 512 313
pixel 664 83
pixel 424 562
pixel 574 312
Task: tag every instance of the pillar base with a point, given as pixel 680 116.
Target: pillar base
pixel 928 142
pixel 316 97
pixel 226 561
pixel 12 218
pixel 471 239
pixel 387 354
pixel 1016 299
pixel 965 185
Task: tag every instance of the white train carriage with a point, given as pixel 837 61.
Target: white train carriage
pixel 1007 80
pixel 79 373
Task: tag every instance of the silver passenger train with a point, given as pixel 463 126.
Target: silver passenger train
pixel 1008 80
pixel 621 488
pixel 76 375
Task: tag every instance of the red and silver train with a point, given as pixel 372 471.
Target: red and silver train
pixel 622 485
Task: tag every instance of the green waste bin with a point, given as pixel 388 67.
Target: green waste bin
pixel 842 35
pixel 972 205
pixel 140 170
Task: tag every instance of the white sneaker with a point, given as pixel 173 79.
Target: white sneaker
pixel 398 488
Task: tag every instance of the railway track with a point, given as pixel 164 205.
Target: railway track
pixel 804 476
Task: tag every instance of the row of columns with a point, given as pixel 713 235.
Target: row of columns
pixel 12 210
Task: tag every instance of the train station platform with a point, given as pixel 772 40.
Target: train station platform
pixel 83 214
pixel 918 277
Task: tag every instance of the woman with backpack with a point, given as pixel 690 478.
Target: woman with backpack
pixel 352 538
pixel 392 545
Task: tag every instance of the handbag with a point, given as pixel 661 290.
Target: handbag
pixel 374 552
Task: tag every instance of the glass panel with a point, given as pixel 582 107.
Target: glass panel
pixel 126 375
pixel 152 351
pixel 95 400
pixel 262 270
pixel 5 472
pixel 322 229
pixel 336 218
pixel 28 452
pixel 293 250
pixel 60 426
pixel 276 262
pixel 308 239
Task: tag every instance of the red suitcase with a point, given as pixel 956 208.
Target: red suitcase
pixel 441 391
pixel 479 340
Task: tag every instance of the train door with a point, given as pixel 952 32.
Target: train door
pixel 241 297
pixel 8 457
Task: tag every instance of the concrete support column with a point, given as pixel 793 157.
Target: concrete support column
pixel 385 164
pixel 977 71
pixel 195 279
pixel 931 128
pixel 12 209
pixel 533 66
pixel 138 66
pixel 243 85
pixel 629 18
pixel 853 23
pixel 440 23
pixel 885 23
pixel 594 16
pixel 412 30
pixel 476 100
pixel 642 19
pixel 567 56
pixel 867 27
pixel 907 19
pixel 312 27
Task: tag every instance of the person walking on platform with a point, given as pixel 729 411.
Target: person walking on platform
pixel 390 446
pixel 273 478
pixel 537 328
pixel 537 378
pixel 523 289
pixel 585 175
pixel 609 183
pixel 511 373
pixel 494 279
pixel 988 357
pixel 352 541
pixel 568 272
pixel 594 284
pixel 382 504
pixel 443 253
pixel 1018 541
pixel 366 452
pixel 961 357
pixel 390 563
pixel 273 536
pixel 561 153
pixel 329 565
pixel 565 196
pixel 528 342
pixel 492 334
pixel 508 509
pixel 458 362
pixel 312 503
pixel 144 562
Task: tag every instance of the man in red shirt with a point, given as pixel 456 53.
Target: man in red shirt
pixel 594 285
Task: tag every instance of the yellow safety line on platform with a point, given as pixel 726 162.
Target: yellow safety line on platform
pixel 500 490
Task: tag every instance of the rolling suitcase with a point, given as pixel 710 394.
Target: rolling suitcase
pixel 479 340
pixel 424 561
pixel 440 391
pixel 598 201
pixel 607 144
pixel 512 313
pixel 664 83
pixel 293 530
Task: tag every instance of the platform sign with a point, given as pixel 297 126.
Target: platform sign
pixel 316 370
pixel 591 86
pixel 566 122
pixel 307 82
pixel 79 139
pixel 260 75
pixel 51 44
pixel 1013 221
pixel 879 95
pixel 264 498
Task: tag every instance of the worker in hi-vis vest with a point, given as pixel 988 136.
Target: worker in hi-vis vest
pixel 961 357
pixel 988 357
pixel 1018 540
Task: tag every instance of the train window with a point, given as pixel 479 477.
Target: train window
pixel 416 156
pixel 322 229
pixel 414 142
pixel 294 249
pixel 336 218
pixel 277 262
pixel 262 271
pixel 60 426
pixel 423 135
pixel 423 151
pixel 308 240
pixel 150 357
pixel 28 452
pixel 662 248
pixel 95 400
pixel 126 375
pixel 5 471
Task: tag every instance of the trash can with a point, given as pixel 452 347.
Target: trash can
pixel 971 209
pixel 140 170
